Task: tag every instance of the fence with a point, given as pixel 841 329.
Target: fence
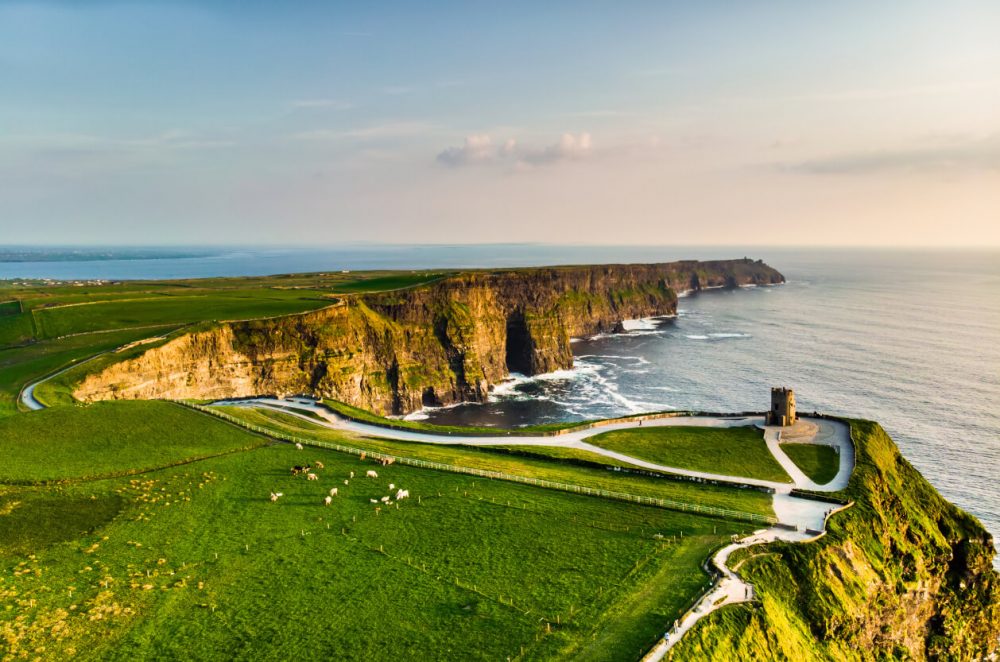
pixel 670 504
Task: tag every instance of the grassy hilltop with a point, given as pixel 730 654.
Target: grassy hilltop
pixel 903 574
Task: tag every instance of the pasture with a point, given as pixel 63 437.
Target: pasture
pixel 739 451
pixel 532 462
pixel 195 561
pixel 818 461
pixel 40 312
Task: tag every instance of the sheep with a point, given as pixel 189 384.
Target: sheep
pixel 364 455
pixel 275 496
pixel 333 491
pixel 346 482
pixel 402 494
pixel 327 501
pixel 391 486
pixel 385 499
pixel 319 465
pixel 373 500
pixel 297 469
pixel 371 474
pixel 352 474
pixel 298 446
pixel 312 477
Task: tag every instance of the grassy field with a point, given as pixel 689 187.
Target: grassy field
pixel 46 311
pixel 530 462
pixel 20 365
pixel 738 451
pixel 818 461
pixel 110 438
pixel 194 561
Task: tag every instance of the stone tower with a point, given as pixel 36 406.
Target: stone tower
pixel 782 410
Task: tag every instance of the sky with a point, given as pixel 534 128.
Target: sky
pixel 660 123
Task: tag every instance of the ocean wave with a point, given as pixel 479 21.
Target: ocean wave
pixel 716 336
pixel 641 324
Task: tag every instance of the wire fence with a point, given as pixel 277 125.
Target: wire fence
pixel 670 504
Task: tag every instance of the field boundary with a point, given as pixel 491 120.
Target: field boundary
pixel 669 504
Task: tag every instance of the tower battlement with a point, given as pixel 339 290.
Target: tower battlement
pixel 782 411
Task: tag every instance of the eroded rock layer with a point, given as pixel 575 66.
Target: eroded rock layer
pixel 394 352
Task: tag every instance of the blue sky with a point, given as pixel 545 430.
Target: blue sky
pixel 591 122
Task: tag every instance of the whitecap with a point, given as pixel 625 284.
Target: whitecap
pixel 641 324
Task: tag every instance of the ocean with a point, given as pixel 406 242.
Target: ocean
pixel 910 339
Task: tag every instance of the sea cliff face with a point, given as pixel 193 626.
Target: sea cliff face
pixel 394 352
pixel 902 574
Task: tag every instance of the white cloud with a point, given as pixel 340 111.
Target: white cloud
pixel 480 148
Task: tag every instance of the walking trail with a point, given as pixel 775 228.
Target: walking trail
pixel 799 519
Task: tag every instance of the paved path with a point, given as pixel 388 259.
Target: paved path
pixel 577 440
pixel 801 519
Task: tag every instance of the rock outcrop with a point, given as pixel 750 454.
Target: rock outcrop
pixel 902 575
pixel 393 352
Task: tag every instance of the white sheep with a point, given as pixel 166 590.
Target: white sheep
pixel 298 446
pixel 275 496
pixel 352 474
pixel 319 465
pixel 371 474
pixel 312 477
pixel 327 501
pixel 333 491
pixel 373 500
pixel 402 494
pixel 391 486
pixel 385 499
pixel 346 482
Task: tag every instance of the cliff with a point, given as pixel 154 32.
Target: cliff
pixel 903 574
pixel 394 352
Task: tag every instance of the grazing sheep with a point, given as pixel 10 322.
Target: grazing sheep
pixel 296 470
pixel 392 486
pixel 346 482
pixel 333 491
pixel 327 501
pixel 298 446
pixel 402 494
pixel 352 474
pixel 371 474
pixel 312 477
pixel 373 500
pixel 385 499
pixel 364 455
pixel 275 496
pixel 319 465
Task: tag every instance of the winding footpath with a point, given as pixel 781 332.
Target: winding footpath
pixel 799 519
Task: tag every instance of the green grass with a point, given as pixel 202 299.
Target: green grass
pixel 21 365
pixel 195 562
pixel 395 281
pixel 170 309
pixel 818 461
pixel 532 464
pixel 738 451
pixel 109 438
pixel 365 416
